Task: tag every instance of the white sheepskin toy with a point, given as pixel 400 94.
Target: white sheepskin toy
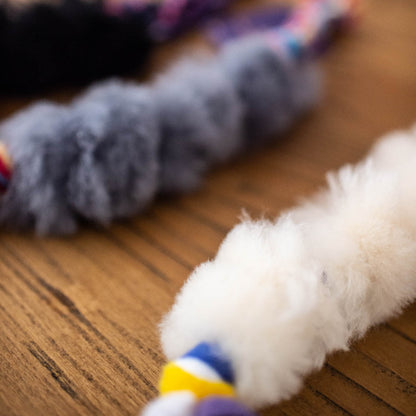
pixel 281 295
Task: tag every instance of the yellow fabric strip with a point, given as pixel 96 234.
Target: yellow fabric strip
pixel 175 378
pixel 4 154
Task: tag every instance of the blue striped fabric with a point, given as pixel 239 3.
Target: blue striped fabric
pixel 213 356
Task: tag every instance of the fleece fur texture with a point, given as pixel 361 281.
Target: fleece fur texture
pixel 111 151
pixel 74 42
pixel 281 295
pixel 47 43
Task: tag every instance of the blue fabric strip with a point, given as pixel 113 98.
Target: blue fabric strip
pixel 3 181
pixel 212 355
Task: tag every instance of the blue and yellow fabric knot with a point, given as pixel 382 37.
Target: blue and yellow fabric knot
pixel 200 383
pixel 202 371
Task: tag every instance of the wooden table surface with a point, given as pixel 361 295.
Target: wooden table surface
pixel 78 315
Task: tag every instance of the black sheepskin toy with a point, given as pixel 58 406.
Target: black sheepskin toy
pixel 73 42
pixel 45 43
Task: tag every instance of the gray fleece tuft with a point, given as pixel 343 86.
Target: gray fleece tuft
pixel 107 154
pixel 200 120
pixel 268 87
pixel 115 129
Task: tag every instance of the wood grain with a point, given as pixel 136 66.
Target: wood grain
pixel 78 316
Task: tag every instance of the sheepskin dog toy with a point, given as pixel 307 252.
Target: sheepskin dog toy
pixel 279 296
pixel 112 150
pixel 44 43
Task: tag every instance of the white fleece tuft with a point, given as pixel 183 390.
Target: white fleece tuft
pixel 281 295
pixel 180 403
